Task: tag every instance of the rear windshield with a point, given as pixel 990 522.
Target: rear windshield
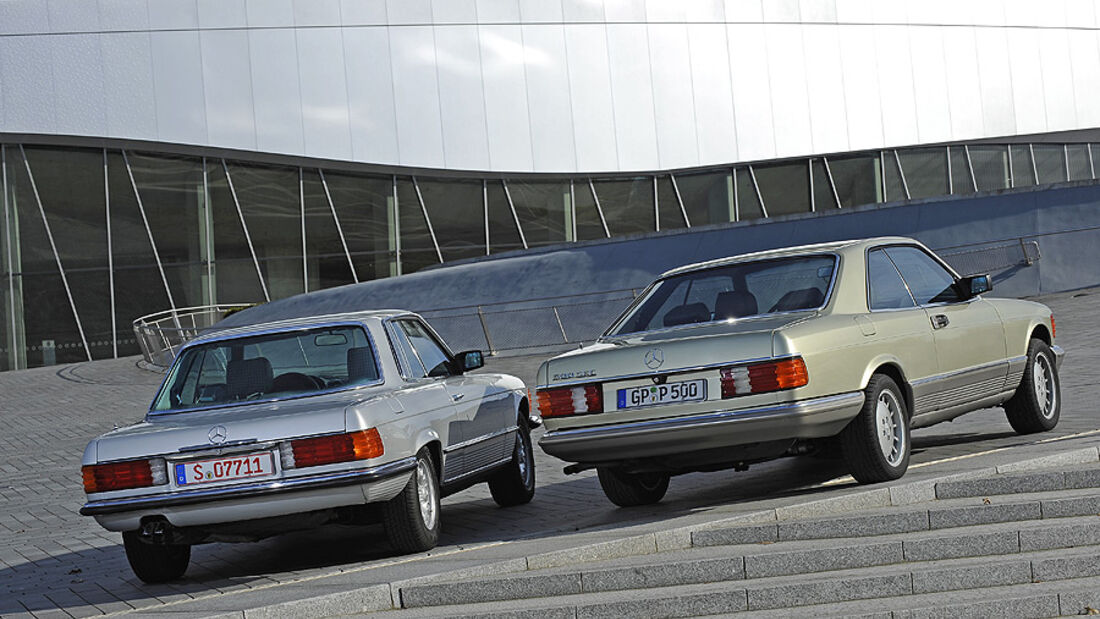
pixel 728 292
pixel 269 366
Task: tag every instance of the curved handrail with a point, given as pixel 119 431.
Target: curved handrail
pixel 161 334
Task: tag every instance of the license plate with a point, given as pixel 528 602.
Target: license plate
pixel 225 469
pixel 668 393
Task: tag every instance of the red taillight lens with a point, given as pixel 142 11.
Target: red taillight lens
pixel 1053 329
pixel 117 476
pixel 337 448
pixel 570 400
pixel 764 377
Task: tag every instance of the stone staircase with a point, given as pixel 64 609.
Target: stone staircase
pixel 1020 545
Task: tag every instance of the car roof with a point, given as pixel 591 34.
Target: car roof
pixel 292 324
pixel 783 252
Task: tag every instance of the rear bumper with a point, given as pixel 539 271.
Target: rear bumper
pixel 1059 354
pixel 816 418
pixel 257 500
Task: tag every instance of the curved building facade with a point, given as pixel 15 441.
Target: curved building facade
pixel 162 154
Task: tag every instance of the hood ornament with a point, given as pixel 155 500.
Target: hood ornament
pixel 217 435
pixel 654 358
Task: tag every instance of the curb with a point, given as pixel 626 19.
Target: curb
pixel 383 597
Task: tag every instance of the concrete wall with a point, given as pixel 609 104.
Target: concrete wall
pixel 1064 221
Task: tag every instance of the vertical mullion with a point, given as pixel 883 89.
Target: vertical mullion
pixel 244 227
pixel 656 207
pixel 736 198
pixel 1011 172
pixel 396 214
pixel 111 256
pixel 56 256
pixel 427 220
pixel 679 200
pixel 339 228
pixel 302 220
pixel 756 188
pixel 485 211
pixel 901 173
pixel 573 210
pixel 11 256
pixel 515 216
pixel 599 209
pixel 1092 167
pixel 1065 159
pixel 970 168
pixel 950 173
pixel 832 183
pixel 211 282
pixel 1034 168
pixel 810 175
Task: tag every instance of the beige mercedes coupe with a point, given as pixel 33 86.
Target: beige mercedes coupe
pixel 738 360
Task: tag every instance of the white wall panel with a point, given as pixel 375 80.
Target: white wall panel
pixel 624 10
pixel 316 13
pixel 227 87
pixel 855 11
pixel 1029 14
pixel 548 97
pixel 825 86
pixel 416 96
pixel 269 13
pixel 73 16
pixel 540 11
pixel 178 88
pixel 747 11
pixel 454 12
pixel 673 101
pixel 458 65
pixel 590 87
pixel 370 95
pixel 128 85
pixel 895 82
pixel 275 91
pixel 782 11
pixel 1057 80
pixel 78 85
pixel 1081 13
pixel 115 15
pixel 173 14
pixel 415 12
pixel 998 111
pixel 632 97
pixel 24 16
pixel 861 88
pixel 583 11
pixel 363 12
pixel 1085 50
pixel 713 93
pixel 325 121
pixel 222 14
pixel 29 101
pixel 498 11
pixel 506 112
pixel 1027 80
pixel 752 102
pixel 963 91
pixel 787 78
pixel 930 84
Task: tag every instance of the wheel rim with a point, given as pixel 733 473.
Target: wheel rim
pixel 425 492
pixel 522 459
pixel 890 428
pixel 1042 380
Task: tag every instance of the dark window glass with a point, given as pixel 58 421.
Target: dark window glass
pixel 925 171
pixel 627 205
pixel 1050 163
pixel 1022 172
pixel 236 278
pixel 326 263
pixel 1078 162
pixel 410 363
pixel 748 203
pixel 544 211
pixel 429 352
pixel 667 205
pixel 990 167
pixel 785 188
pixel 823 190
pixel 886 288
pixel 503 233
pixel 856 179
pixel 457 212
pixel 365 208
pixel 708 197
pixel 589 224
pixel 962 181
pixel 928 281
pixel 893 185
pixel 417 249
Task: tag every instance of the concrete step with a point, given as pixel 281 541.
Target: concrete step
pixel 776 560
pixel 1000 588
pixel 1041 481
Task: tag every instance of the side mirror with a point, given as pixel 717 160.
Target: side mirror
pixel 469 360
pixel 975 285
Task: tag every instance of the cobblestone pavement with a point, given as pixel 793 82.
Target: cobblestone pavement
pixel 54 563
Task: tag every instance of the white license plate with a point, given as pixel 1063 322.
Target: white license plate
pixel 668 393
pixel 224 469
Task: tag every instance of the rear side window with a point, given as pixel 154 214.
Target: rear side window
pixel 887 290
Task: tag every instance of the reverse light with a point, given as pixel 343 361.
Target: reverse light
pixel 763 377
pixel 566 401
pixel 123 475
pixel 333 448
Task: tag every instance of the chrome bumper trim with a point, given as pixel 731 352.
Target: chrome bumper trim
pixel 223 493
pixel 1059 354
pixel 803 407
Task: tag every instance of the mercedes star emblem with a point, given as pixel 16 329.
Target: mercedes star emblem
pixel 217 435
pixel 654 358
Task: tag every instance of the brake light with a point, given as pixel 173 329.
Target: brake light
pixel 123 475
pixel 1053 329
pixel 333 448
pixel 763 377
pixel 566 401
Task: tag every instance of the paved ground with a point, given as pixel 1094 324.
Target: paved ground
pixel 56 563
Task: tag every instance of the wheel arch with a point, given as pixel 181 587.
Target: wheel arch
pixel 1041 332
pixel 891 367
pixel 428 439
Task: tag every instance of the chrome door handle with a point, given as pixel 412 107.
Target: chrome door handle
pixel 458 396
pixel 940 321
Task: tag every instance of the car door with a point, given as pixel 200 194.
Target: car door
pixel 969 335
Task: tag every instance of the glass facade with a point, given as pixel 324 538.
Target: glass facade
pixel 93 238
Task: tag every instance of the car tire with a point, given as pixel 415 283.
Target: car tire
pixel 515 484
pixel 631 489
pixel 1037 404
pixel 411 519
pixel 155 563
pixel 876 443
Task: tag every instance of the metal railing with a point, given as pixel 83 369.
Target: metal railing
pixel 160 335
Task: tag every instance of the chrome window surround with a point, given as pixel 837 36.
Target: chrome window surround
pixel 950 271
pixel 402 364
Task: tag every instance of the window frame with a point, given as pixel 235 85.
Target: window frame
pixel 403 365
pixel 867 280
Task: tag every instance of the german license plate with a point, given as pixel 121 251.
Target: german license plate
pixel 668 393
pixel 225 469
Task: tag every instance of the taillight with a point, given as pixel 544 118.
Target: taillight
pixel 764 377
pixel 1053 329
pixel 123 475
pixel 333 448
pixel 566 401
